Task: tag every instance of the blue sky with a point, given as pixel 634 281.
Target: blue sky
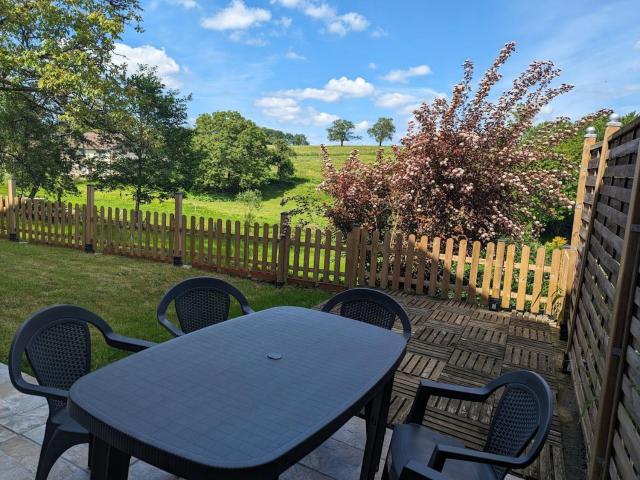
pixel 296 65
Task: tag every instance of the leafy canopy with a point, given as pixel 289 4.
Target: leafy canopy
pixel 341 131
pixel 149 143
pixel 235 153
pixel 382 130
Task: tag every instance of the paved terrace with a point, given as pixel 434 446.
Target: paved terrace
pixel 452 342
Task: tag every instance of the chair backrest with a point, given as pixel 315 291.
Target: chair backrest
pixel 370 306
pixel 522 417
pixel 57 344
pixel 200 302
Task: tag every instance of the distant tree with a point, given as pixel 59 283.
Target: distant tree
pixel 251 200
pixel 341 131
pixel 382 130
pixel 36 147
pixel 150 145
pixel 296 139
pixel 235 152
pixel 273 135
pixel 282 157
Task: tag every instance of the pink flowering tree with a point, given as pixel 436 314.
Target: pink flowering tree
pixel 469 167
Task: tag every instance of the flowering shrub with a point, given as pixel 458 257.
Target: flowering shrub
pixel 469 167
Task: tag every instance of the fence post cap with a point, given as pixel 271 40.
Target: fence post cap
pixel 614 120
pixel 590 132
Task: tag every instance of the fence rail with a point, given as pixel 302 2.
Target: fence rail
pixel 497 274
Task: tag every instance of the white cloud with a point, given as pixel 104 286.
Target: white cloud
pixel 350 88
pixel 285 22
pixel 394 100
pixel 240 36
pixel 401 76
pixel 291 55
pixel 337 24
pixel 349 21
pixel 334 90
pixel 373 66
pixel 236 16
pixel 288 110
pixel 132 57
pixel 185 3
pixel 637 45
pixel 362 126
pixel 379 32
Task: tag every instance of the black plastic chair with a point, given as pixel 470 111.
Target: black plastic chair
pixel 518 430
pixel 57 344
pixel 199 302
pixel 370 306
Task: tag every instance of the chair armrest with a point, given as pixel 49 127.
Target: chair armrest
pixel 417 471
pixel 427 388
pixel 164 321
pixel 127 343
pixel 442 453
pixel 246 309
pixel 23 386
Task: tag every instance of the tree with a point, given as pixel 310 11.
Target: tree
pixel 467 167
pixel 235 153
pixel 150 146
pixel 35 147
pixel 382 130
pixel 60 52
pixel 282 157
pixel 296 139
pixel 341 131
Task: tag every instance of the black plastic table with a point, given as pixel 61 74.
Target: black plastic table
pixel 246 398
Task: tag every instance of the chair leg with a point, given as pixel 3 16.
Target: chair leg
pixel 57 442
pixel 90 453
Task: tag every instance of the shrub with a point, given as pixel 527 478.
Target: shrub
pixel 251 200
pixel 468 167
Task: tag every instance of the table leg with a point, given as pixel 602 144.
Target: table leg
pixel 376 427
pixel 108 463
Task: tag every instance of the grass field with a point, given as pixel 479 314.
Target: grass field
pixel 125 292
pixel 308 164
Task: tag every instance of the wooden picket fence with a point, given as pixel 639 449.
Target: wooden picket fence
pixel 500 275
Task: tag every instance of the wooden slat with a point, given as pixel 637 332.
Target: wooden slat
pixel 522 276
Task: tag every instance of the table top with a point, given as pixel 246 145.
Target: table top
pixel 252 394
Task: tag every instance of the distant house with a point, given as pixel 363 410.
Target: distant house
pixel 92 148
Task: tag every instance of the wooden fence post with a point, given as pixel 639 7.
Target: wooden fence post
pixel 178 226
pixel 351 260
pixel 11 213
pixel 566 279
pixel 88 227
pixel 283 250
pixel 618 335
pixel 612 127
pixel 589 140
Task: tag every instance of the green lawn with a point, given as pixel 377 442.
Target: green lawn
pixel 125 292
pixel 308 165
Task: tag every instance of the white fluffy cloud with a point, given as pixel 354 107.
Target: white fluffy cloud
pixel 373 65
pixel 334 90
pixel 335 23
pixel 394 100
pixel 288 110
pixel 236 16
pixel 350 88
pixel 637 45
pixel 291 55
pixel 401 76
pixel 132 57
pixel 362 126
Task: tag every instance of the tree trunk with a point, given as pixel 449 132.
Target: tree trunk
pixel 380 143
pixel 341 143
pixel 33 192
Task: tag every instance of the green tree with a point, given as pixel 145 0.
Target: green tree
pixel 59 52
pixel 382 130
pixel 35 147
pixel 235 153
pixel 296 139
pixel 341 131
pixel 251 200
pixel 150 147
pixel 282 157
